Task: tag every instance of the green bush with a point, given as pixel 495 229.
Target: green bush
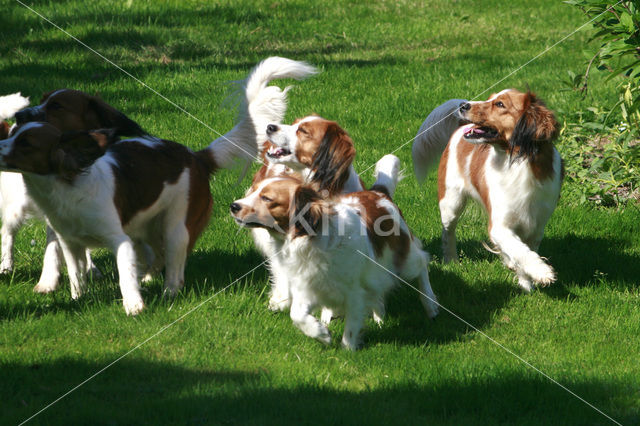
pixel 602 143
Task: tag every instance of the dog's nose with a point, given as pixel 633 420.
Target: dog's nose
pixel 235 207
pixel 465 106
pixel 272 128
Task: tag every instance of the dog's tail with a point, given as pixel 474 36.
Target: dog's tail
pixel 260 105
pixel 433 137
pixel 387 173
pixel 11 104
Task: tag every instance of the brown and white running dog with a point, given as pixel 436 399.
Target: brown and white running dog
pixel 143 191
pixel 324 243
pixel 505 159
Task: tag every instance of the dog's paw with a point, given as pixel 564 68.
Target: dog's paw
pixel 544 275
pixel 6 269
pixel 133 306
pixel 326 316
pixel 324 336
pixel 279 304
pixel 46 286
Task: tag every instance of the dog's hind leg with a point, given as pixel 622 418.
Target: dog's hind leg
pixel 74 256
pixel 176 244
pixel 451 208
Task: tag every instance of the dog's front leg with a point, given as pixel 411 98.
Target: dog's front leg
pixel 74 256
pixel 128 275
pixel 526 262
pixel 307 323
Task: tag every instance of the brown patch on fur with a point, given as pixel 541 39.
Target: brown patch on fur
pixel 477 176
pixel 442 173
pixel 328 150
pixel 542 164
pixel 380 227
pixel 4 130
pixel 141 173
pixel 308 210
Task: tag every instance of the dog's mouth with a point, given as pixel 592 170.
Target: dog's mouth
pixel 476 133
pixel 276 152
pixel 244 224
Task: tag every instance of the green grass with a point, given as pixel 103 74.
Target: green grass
pixel 231 361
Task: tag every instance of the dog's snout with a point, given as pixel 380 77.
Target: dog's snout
pixel 28 114
pixel 465 106
pixel 235 207
pixel 271 128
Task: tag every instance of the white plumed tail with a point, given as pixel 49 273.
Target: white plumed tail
pixel 261 105
pixel 11 104
pixel 433 137
pixel 387 173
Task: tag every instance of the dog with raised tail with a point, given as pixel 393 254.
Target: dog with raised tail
pixel 505 159
pixel 327 247
pixel 144 191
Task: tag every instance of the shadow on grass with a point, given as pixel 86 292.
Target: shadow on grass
pixel 134 391
pixel 407 323
pixel 207 272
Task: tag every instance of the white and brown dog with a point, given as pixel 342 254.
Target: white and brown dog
pixel 68 110
pixel 324 243
pixel 505 159
pixel 144 191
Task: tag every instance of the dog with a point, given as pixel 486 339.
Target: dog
pixel 505 159
pixel 319 149
pixel 68 110
pixel 321 240
pixel 320 152
pixel 145 191
pixel 433 136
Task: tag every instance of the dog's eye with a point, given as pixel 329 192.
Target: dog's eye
pixel 265 199
pixel 303 131
pixel 499 104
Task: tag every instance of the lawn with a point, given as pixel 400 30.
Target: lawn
pixel 216 354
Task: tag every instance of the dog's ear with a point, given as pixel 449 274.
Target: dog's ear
pixel 78 150
pixel 332 160
pixel 309 209
pixel 109 117
pixel 537 124
pixel 64 165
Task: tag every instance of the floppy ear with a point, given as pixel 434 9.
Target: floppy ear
pixel 109 117
pixel 77 151
pixel 537 124
pixel 64 165
pixel 308 208
pixel 332 160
